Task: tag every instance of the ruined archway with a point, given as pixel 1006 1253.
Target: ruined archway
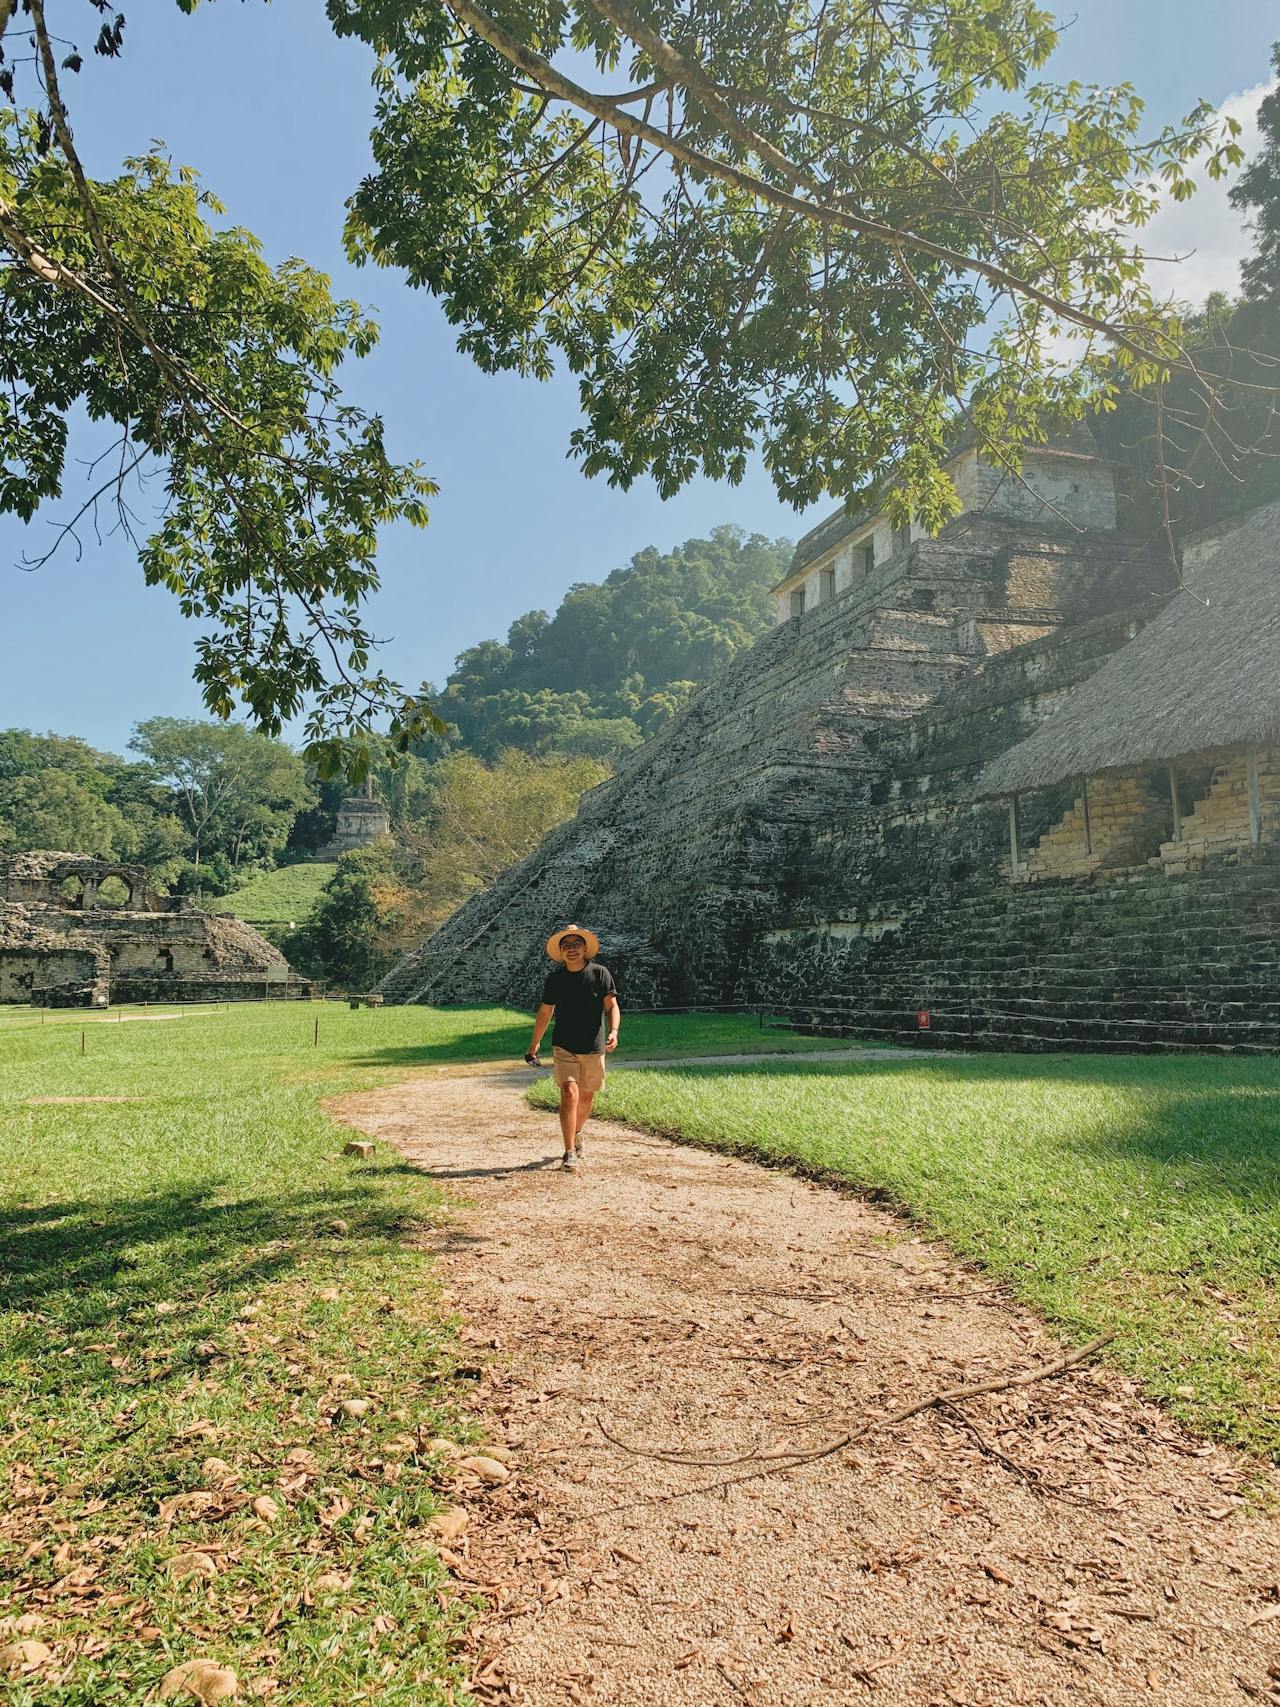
pixel 116 891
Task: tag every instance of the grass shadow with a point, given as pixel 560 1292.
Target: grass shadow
pixel 150 1279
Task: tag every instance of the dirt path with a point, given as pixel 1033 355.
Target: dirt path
pixel 688 1301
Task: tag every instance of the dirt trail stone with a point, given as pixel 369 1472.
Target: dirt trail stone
pixel 1056 1545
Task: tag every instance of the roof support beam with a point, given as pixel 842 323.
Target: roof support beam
pixel 1088 828
pixel 1255 803
pixel 1176 804
pixel 1013 838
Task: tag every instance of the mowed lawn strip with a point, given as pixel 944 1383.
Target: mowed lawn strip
pixel 194 1281
pixel 1127 1193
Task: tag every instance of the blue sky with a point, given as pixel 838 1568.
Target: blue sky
pixel 274 111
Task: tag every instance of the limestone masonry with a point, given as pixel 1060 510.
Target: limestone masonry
pixel 67 941
pixel 828 829
pixel 361 821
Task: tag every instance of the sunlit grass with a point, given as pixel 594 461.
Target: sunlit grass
pixel 275 897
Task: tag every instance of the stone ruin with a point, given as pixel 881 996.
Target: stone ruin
pixel 362 820
pixel 827 829
pixel 82 932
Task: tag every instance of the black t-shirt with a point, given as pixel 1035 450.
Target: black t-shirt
pixel 578 998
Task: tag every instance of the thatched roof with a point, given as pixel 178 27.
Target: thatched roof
pixel 1205 673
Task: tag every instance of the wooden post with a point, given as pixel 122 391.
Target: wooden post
pixel 1013 837
pixel 82 1042
pixel 1088 828
pixel 1177 805
pixel 317 1036
pixel 1255 803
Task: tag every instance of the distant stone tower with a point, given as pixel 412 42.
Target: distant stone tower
pixel 361 820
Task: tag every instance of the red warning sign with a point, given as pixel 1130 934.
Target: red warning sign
pixel 924 1019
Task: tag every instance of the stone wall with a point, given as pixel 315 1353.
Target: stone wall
pixel 29 976
pixel 1150 960
pixel 1051 484
pixel 361 822
pixel 1222 819
pixel 1114 822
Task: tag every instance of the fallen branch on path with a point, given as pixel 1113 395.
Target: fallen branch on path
pixel 772 1463
pixel 1034 1479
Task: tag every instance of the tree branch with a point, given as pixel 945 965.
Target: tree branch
pixel 555 82
pixel 693 78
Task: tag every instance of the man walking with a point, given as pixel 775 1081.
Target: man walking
pixel 580 994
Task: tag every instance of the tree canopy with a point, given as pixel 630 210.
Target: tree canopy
pixel 817 229
pixel 58 792
pixel 1191 465
pixel 234 789
pixel 476 820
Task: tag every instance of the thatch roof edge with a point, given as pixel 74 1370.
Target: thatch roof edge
pixel 1203 675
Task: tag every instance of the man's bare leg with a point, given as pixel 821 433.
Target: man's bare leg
pixel 585 1100
pixel 569 1115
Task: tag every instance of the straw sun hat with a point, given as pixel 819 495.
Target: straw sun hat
pixel 589 937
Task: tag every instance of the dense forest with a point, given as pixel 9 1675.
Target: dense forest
pixel 1185 466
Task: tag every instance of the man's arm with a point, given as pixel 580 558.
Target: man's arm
pixel 541 1020
pixel 614 1015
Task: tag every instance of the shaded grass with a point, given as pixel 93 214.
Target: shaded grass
pixel 1125 1193
pixel 193 1281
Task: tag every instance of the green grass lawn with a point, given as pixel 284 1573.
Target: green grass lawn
pixel 276 897
pixel 1131 1193
pixel 194 1279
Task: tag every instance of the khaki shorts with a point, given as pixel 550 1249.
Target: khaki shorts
pixel 585 1071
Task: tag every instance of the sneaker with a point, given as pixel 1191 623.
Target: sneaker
pixel 569 1163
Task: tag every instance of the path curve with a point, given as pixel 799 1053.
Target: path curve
pixel 685 1299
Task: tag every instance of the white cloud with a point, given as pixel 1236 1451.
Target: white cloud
pixel 1207 231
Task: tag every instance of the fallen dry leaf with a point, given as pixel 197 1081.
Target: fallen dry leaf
pixel 19 1658
pixel 488 1469
pixel 449 1525
pixel 191 1564
pixel 266 1508
pixel 197 1501
pixel 203 1679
